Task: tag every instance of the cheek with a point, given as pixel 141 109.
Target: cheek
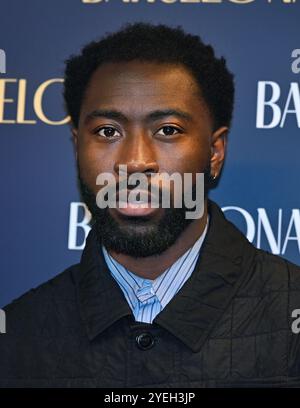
pixel 187 158
pixel 190 159
pixel 92 161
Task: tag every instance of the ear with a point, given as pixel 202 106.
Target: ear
pixel 218 150
pixel 75 141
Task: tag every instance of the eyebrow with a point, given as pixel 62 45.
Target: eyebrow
pixel 154 115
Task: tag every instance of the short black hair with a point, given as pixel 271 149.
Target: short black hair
pixel 153 43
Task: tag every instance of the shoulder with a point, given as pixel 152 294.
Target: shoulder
pixel 46 301
pixel 38 325
pixel 268 273
pixel 277 268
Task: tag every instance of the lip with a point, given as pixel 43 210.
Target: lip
pixel 136 209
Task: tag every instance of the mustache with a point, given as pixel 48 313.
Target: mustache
pixel 122 188
pixel 151 192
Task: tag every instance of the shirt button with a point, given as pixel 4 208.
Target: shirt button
pixel 145 341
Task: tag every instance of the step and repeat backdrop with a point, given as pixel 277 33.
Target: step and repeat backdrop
pixel 43 223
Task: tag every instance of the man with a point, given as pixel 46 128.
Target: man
pixel 158 299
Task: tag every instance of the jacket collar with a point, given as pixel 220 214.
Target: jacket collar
pixel 225 258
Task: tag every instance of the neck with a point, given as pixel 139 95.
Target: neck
pixel 153 266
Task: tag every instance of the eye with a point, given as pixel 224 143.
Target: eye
pixel 107 132
pixel 168 131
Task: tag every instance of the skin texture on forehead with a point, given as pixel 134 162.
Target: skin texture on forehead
pixel 137 80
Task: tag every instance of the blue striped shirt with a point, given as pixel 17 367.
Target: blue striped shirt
pixel 146 297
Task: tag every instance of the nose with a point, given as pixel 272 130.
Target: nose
pixel 138 155
pixel 141 166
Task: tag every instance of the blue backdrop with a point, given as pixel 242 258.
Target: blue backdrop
pixel 259 190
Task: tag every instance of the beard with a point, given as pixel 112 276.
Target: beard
pixel 139 236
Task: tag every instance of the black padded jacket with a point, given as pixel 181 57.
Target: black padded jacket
pixel 230 325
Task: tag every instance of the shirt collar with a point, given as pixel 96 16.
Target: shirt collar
pixel 168 283
pixel 226 257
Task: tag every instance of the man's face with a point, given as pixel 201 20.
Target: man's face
pixel 151 118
